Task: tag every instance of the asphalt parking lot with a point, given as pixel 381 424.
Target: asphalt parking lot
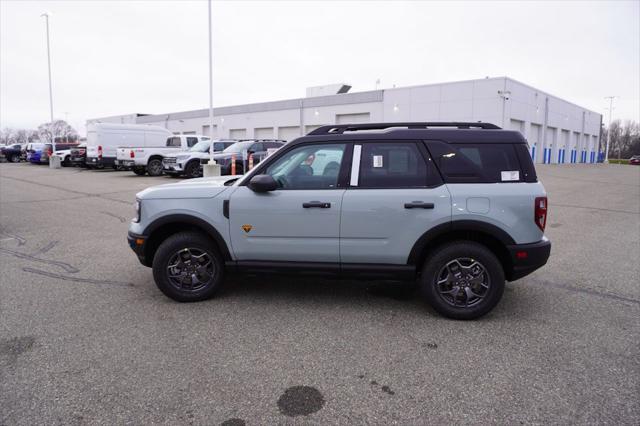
pixel 86 337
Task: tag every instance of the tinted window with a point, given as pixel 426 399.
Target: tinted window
pixel 191 141
pixel 174 142
pixel 484 162
pixel 392 165
pixel 273 144
pixel 308 167
pixel 257 147
pixel 219 146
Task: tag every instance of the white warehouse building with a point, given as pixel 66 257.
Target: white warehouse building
pixel 557 130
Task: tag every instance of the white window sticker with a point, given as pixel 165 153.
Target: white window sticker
pixel 377 161
pixel 510 175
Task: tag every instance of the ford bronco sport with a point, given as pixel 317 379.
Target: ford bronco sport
pixel 456 206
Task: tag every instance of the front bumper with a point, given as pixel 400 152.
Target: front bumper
pixel 137 244
pixel 526 258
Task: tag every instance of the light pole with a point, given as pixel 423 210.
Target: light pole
pixel 211 168
pixel 46 17
pixel 606 151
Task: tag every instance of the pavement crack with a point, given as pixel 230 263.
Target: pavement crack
pixel 45 248
pixel 76 279
pixel 21 241
pixel 596 208
pixel 68 268
pixel 590 292
pixel 120 218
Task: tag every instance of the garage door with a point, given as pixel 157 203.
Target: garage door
pixel 288 133
pixel 308 129
pixel 550 145
pixel 534 142
pixel 517 125
pixel 238 133
pixel 263 133
pixel 363 117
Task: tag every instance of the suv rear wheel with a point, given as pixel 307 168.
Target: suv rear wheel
pixel 462 280
pixel 188 268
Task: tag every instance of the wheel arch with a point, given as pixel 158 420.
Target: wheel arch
pixel 163 227
pixel 494 238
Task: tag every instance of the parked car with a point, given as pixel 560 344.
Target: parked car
pixel 33 151
pixel 62 149
pixel 12 153
pixel 103 139
pixel 148 159
pixel 188 163
pixel 257 148
pixel 78 155
pixel 635 159
pixel 456 206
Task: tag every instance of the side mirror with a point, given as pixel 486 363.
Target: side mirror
pixel 263 183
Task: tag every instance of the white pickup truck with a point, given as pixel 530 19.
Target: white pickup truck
pixel 148 159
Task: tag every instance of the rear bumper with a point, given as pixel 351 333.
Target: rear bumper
pixel 137 244
pixel 96 162
pixel 526 258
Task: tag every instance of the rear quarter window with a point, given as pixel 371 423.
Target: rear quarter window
pixel 477 163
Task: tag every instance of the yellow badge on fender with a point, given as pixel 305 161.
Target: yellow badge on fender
pixel 246 228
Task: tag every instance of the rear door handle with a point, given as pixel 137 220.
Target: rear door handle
pixel 316 204
pixel 418 205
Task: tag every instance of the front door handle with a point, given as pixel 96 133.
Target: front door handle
pixel 316 204
pixel 418 205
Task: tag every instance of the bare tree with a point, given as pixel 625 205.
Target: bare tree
pixel 59 129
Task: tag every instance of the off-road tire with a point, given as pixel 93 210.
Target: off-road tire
pixel 438 260
pixel 175 244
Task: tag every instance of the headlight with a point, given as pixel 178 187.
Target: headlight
pixel 138 211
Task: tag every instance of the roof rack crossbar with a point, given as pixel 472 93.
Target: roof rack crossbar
pixel 341 128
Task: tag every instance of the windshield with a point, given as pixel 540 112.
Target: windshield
pixel 202 146
pixel 238 147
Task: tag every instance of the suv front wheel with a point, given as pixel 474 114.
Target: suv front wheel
pixel 188 268
pixel 462 280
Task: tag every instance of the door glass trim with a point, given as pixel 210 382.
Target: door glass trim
pixel 355 165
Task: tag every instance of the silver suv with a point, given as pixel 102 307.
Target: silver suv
pixel 456 206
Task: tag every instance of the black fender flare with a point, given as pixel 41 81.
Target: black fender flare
pixel 210 230
pixel 456 226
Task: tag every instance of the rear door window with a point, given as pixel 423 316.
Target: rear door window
pixel 394 165
pixel 191 141
pixel 175 142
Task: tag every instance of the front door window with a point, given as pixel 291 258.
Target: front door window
pixel 308 167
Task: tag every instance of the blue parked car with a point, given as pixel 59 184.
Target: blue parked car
pixel 41 152
pixel 34 151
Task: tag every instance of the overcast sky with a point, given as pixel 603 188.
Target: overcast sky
pixel 112 58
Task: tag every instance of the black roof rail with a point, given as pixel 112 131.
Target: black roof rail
pixel 336 129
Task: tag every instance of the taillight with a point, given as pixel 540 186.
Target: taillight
pixel 99 151
pixel 131 154
pixel 541 212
